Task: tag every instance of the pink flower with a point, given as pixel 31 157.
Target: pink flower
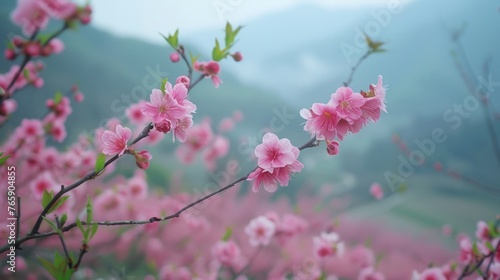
pixel 447 230
pixel 43 182
pixel 279 175
pixel 274 152
pixel 465 251
pixel 321 121
pixel 347 103
pixel 494 272
pixel 376 191
pixel 180 93
pixel 332 147
pixel 181 128
pixel 328 245
pixel 32 128
pixel 483 231
pixel 374 101
pixel 134 113
pixel 78 96
pixel 174 57
pixel 227 253
pixel 34 14
pixel 163 107
pixel 369 273
pixel 226 124
pixel 212 70
pixel 362 257
pixel 434 273
pixel 262 177
pixel 116 142
pixel 260 230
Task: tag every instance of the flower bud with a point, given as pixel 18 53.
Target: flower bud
pixel 184 80
pixel 10 54
pixel 142 159
pixel 237 56
pixel 332 147
pixel 175 57
pixel 163 126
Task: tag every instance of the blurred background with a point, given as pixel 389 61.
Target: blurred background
pixel 297 53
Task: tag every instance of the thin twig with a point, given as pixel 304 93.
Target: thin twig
pixel 355 67
pixel 65 249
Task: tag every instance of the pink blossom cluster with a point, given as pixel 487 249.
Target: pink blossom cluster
pixel 277 160
pixel 30 76
pixel 345 112
pixel 201 139
pixel 171 110
pixel 33 48
pixel 33 15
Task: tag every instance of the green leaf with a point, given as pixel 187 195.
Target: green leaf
pixel 43 39
pixel 373 45
pixel 48 266
pixel 99 163
pixel 58 259
pixel 231 35
pixel 10 45
pixel 58 97
pixel 3 159
pixel 58 204
pixel 475 250
pixel 79 225
pixel 480 272
pixel 493 230
pixel 51 223
pixel 193 58
pixel 172 40
pixel 93 230
pixel 2 91
pixel 163 85
pixel 63 219
pixel 26 74
pixel 228 234
pixel 216 51
pixel 489 246
pixel 90 213
pixel 46 198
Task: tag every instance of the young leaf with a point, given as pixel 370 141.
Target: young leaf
pixel 475 250
pixel 163 85
pixel 54 226
pixel 58 97
pixel 48 266
pixel 228 234
pixel 79 225
pixel 58 259
pixel 26 74
pixel 93 231
pixel 3 159
pixel 46 198
pixel 216 52
pixel 58 204
pixel 489 246
pixel 63 219
pixel 99 163
pixel 89 210
pixel 193 58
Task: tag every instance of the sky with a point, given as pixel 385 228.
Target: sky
pixel 137 19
